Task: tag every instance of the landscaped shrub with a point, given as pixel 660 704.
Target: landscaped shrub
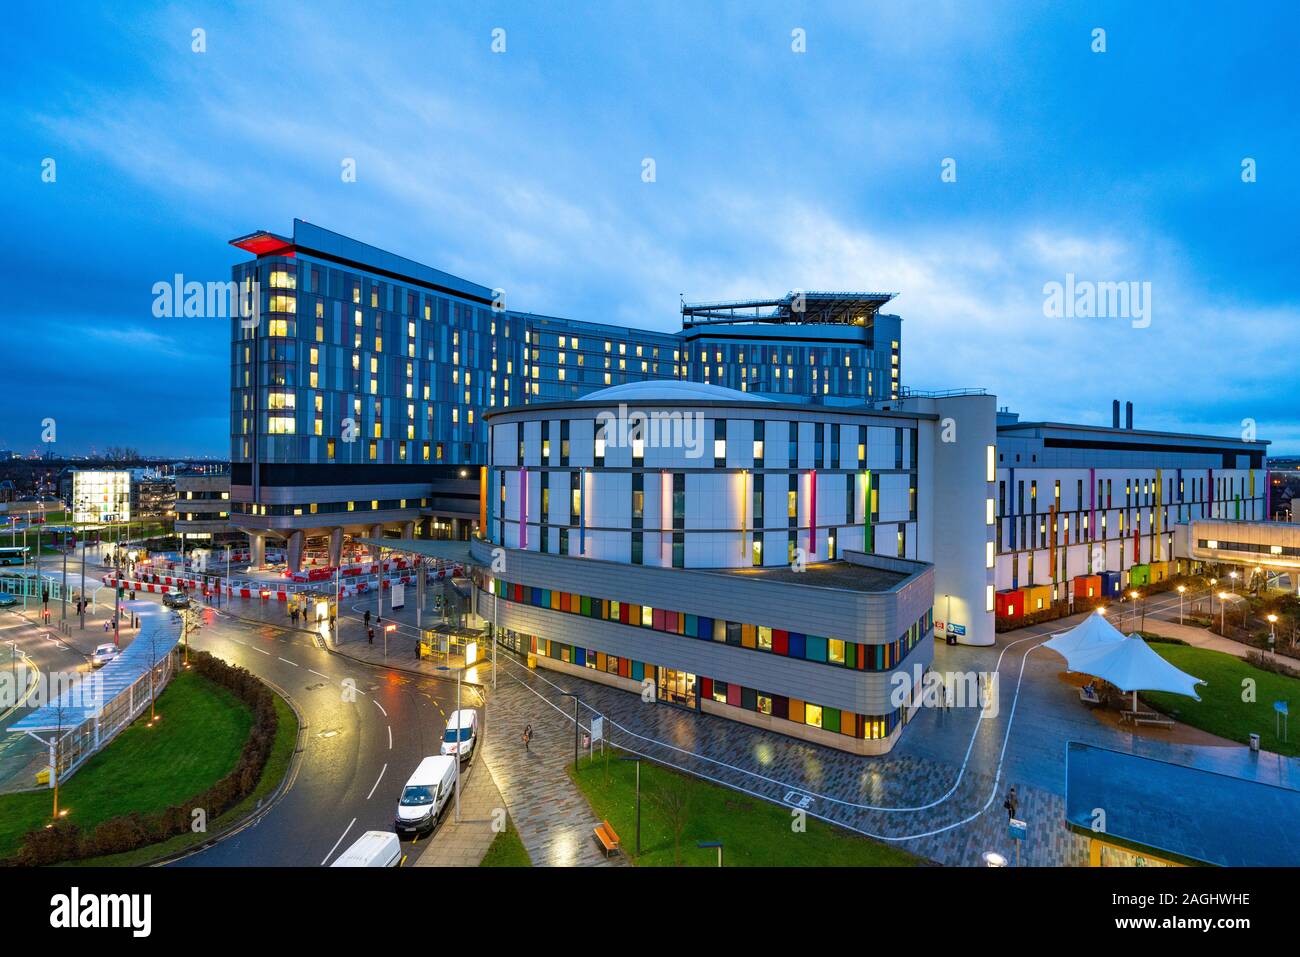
pixel 64 842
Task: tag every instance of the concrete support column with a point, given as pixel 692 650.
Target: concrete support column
pixel 376 531
pixel 257 549
pixel 408 531
pixel 294 551
pixel 336 546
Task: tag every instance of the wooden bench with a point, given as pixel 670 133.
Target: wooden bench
pixel 607 836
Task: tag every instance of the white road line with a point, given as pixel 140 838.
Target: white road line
pixel 377 780
pixel 339 841
pixel 381 708
pixel 318 674
pixel 262 650
pixel 390 737
pixel 288 662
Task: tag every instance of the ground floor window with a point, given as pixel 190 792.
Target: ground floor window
pixel 676 687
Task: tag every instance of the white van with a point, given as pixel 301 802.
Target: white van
pixel 461 734
pixel 372 849
pixel 425 795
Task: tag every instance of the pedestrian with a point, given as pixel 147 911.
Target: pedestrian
pixel 1012 804
pixel 370 634
pixel 528 735
pixel 367 617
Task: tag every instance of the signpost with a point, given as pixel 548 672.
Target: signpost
pixel 1017 830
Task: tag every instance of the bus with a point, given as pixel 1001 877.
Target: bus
pixel 14 556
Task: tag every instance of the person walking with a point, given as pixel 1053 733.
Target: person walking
pixel 528 735
pixel 370 634
pixel 1012 804
pixel 367 617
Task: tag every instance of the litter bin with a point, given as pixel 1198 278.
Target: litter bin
pixel 532 661
pixel 1254 742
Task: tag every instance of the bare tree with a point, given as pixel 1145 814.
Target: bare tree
pixel 673 800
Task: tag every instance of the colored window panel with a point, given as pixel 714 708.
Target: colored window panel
pixel 706 687
pixel 624 668
pixel 797 645
pixel 749 699
pixel 831 719
pixel 580 656
pixel 638 670
pixel 835 651
pixel 780 642
pixel 733 695
pixel 812 715
pixel 748 636
pixel 780 706
pixel 796 711
pixel 814 648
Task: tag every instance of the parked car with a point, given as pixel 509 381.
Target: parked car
pixel 103 654
pixel 461 734
pixel 372 849
pixel 7 600
pixel 425 795
pixel 176 599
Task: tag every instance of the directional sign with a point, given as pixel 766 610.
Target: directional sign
pixel 1017 829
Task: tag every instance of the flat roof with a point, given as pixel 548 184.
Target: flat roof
pixel 1181 811
pixel 794 307
pixel 1120 434
pixel 844 576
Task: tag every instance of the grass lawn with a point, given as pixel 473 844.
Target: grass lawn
pixel 506 850
pixel 277 765
pixel 755 833
pixel 198 740
pixel 1221 710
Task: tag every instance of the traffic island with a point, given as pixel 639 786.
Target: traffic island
pixel 223 744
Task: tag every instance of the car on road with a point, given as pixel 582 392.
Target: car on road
pixel 461 734
pixel 103 654
pixel 425 796
pixel 176 599
pixel 7 600
pixel 372 849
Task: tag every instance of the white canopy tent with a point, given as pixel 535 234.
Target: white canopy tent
pixel 1131 665
pixel 1092 633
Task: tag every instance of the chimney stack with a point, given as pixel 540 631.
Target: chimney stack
pixel 1114 414
pixel 1128 416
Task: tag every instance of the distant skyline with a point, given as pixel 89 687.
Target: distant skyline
pixel 773 170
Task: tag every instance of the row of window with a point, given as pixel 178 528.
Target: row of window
pixel 777 641
pixel 870 727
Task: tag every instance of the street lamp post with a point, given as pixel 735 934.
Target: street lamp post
pixel 574 696
pixel 1233 575
pixel 1223 613
pixel 708 844
pixel 637 759
pixel 1181 590
pixel 1134 596
pixel 1272 631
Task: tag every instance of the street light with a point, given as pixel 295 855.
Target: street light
pixel 1272 630
pixel 1233 576
pixel 574 696
pixel 637 759
pixel 1181 590
pixel 1134 595
pixel 1223 612
pixel 708 844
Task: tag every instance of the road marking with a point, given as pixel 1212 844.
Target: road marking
pixel 288 662
pixel 381 708
pixel 262 650
pixel 339 841
pixel 377 780
pixel 318 674
pixel 390 737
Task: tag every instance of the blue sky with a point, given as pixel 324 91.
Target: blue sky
pixel 774 170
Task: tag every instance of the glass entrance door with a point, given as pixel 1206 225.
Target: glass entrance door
pixel 677 687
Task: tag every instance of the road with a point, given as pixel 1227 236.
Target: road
pixel 366 729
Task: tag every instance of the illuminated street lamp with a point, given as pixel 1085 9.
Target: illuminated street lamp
pixel 1233 576
pixel 1181 590
pixel 1223 612
pixel 1272 630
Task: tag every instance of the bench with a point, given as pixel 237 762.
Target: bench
pixel 1153 720
pixel 607 836
pixel 1089 697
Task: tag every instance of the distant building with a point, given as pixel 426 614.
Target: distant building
pixel 98 495
pixel 202 504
